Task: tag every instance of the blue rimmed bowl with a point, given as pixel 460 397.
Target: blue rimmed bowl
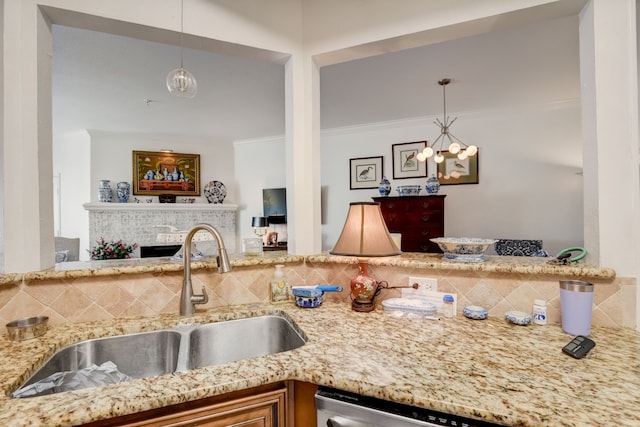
pixel 465 249
pixel 408 190
pixel 309 302
pixel 518 317
pixel 475 312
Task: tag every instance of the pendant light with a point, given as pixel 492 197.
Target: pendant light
pixel 455 145
pixel 181 82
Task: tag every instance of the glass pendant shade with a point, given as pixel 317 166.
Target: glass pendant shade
pixel 181 82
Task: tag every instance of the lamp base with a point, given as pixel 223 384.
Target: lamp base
pixel 363 289
pixel 363 307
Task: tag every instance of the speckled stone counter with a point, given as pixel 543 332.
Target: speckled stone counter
pixel 512 375
pixel 493 264
pixel 69 270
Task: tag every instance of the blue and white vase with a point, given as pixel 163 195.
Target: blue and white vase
pixel 105 194
pixel 123 190
pixel 385 187
pixel 433 185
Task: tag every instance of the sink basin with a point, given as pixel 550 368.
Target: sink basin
pixel 142 355
pixel 252 337
pixel 150 354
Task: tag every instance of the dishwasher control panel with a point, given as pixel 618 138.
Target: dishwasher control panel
pixel 337 408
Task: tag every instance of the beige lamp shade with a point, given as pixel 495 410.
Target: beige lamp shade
pixel 365 233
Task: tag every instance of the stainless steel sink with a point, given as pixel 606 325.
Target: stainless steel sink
pixel 216 343
pixel 142 355
pixel 182 348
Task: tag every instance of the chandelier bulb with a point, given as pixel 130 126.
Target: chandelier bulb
pixel 421 157
pixel 428 152
pixel 454 148
pixel 472 150
pixel 463 155
pixel 439 158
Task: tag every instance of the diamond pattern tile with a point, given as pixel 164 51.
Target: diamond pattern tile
pixel 94 298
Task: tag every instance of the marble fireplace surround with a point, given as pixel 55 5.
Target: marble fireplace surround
pixel 139 222
pixel 75 292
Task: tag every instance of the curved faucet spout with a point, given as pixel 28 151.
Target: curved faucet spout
pixel 188 299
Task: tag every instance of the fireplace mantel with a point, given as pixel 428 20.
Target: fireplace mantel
pixel 110 207
pixel 137 222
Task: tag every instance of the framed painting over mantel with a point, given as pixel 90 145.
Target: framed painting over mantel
pixel 160 173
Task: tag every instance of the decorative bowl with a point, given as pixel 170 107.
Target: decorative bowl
pixel 309 302
pixel 26 329
pixel 518 317
pixel 475 312
pixel 408 190
pixel 465 249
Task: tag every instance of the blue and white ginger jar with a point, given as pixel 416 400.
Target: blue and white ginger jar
pixel 433 185
pixel 385 187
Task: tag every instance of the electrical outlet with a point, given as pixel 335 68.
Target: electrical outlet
pixel 425 285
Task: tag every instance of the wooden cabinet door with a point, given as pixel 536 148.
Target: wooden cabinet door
pixel 266 409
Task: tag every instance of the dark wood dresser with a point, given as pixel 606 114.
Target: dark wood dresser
pixel 418 218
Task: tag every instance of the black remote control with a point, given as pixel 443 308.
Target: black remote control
pixel 579 347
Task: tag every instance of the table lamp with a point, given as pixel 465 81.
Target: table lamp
pixel 259 224
pixel 364 235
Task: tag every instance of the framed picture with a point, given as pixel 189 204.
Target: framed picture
pixel 156 173
pixel 405 161
pixel 455 171
pixel 366 172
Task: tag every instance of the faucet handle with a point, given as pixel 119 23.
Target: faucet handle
pixel 200 299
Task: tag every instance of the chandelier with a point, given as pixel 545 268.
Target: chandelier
pixel 181 82
pixel 455 145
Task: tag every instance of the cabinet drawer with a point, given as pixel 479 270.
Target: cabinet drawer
pixel 408 204
pixel 411 245
pixel 423 218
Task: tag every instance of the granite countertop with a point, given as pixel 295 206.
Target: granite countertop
pixel 489 369
pixel 493 264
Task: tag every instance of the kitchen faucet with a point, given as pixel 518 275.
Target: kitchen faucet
pixel 188 299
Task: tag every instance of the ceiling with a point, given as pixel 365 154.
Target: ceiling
pixel 117 84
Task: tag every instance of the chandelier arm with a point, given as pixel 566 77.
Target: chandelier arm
pixel 433 144
pixel 457 139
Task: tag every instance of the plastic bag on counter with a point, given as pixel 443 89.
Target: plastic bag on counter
pixel 91 376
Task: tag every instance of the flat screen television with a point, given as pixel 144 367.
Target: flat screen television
pixel 274 201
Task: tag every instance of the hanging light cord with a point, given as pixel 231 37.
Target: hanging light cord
pixel 181 32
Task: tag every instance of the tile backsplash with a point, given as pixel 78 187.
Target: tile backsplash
pixel 95 298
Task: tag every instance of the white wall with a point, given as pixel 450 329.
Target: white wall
pixel 528 171
pixel 259 164
pixel 82 159
pixel 111 158
pixel 71 160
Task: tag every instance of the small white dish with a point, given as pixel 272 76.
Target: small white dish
pixel 475 312
pixel 518 317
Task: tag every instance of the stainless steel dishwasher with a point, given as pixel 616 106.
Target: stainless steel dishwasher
pixel 336 408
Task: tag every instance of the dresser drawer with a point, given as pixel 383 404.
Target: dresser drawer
pixel 417 218
pixel 411 245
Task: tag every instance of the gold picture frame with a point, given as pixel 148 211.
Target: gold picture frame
pixel 455 171
pixel 160 173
